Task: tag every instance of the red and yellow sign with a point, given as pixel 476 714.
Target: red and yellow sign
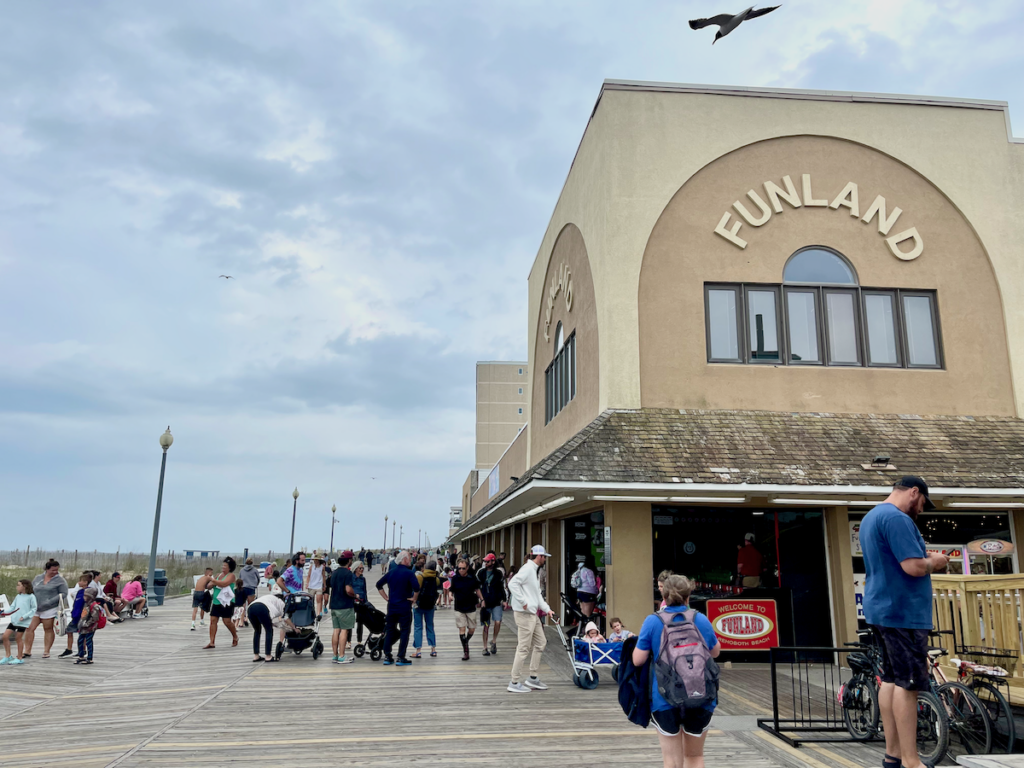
pixel 744 625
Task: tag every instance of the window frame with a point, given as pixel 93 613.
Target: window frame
pixel 933 305
pixel 858 325
pixel 897 318
pixel 737 289
pixel 746 352
pixel 858 295
pixel 560 378
pixel 834 252
pixel 815 291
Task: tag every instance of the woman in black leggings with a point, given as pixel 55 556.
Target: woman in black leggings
pixel 263 613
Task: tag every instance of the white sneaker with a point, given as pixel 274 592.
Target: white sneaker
pixel 536 684
pixel 193 626
pixel 345 660
pixel 517 688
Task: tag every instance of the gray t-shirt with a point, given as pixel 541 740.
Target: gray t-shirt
pixel 48 595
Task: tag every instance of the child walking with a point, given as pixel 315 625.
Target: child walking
pixel 22 610
pixel 88 623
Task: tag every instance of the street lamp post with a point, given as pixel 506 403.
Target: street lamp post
pixel 400 536
pixel 419 535
pixel 393 524
pixel 295 504
pixel 334 521
pixel 385 533
pixel 166 439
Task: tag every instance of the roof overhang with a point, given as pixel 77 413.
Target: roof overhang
pixel 538 497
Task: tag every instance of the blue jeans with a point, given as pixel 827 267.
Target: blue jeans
pixel 421 617
pixel 85 644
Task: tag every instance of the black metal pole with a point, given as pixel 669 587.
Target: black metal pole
pixel 291 545
pixel 150 588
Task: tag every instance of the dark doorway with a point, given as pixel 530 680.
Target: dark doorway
pixel 702 543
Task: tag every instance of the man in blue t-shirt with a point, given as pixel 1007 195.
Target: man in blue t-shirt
pixel 898 605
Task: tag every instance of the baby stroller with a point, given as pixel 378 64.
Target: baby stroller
pixel 375 622
pixel 301 610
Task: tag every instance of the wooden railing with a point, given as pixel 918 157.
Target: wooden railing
pixel 984 612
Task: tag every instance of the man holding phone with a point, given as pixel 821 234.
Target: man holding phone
pixel 898 606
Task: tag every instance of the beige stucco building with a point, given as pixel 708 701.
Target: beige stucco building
pixel 752 311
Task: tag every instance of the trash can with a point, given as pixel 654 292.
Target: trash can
pixel 159 586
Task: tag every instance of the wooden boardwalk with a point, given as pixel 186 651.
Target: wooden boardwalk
pixel 154 697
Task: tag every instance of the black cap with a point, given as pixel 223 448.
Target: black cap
pixel 913 481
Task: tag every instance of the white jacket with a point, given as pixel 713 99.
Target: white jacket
pixel 525 590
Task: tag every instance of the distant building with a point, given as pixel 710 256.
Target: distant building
pixel 200 554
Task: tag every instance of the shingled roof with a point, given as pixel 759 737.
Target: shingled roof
pixel 764 447
pixel 771 448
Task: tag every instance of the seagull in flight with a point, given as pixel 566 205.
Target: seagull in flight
pixel 227 277
pixel 726 22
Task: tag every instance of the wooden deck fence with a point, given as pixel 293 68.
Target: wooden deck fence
pixel 984 613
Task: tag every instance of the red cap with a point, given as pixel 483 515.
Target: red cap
pixel 489 558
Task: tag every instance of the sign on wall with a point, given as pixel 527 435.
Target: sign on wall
pixel 744 625
pixel 855 539
pixel 494 481
pixel 848 198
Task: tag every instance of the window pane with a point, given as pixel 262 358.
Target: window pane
pixel 725 343
pixel 803 327
pixel 842 328
pixel 880 316
pixel 763 326
pixel 917 314
pixel 816 265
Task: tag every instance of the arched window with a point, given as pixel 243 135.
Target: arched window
pixel 820 315
pixel 560 377
pixel 818 266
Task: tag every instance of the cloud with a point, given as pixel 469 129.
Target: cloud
pixel 377 178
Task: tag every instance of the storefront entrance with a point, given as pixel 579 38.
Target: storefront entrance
pixel 583 539
pixel 704 543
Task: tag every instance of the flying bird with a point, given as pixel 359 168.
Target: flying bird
pixel 726 22
pixel 227 277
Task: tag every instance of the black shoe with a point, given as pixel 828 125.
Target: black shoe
pixel 403 662
pixel 66 653
pixel 486 652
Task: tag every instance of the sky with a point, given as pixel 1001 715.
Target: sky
pixel 377 178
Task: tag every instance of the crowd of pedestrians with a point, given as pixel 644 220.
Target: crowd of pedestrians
pixel 47 601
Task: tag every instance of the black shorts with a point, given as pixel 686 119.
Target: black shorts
pixel 15 628
pixel 197 599
pixel 904 657
pixel 222 611
pixel 693 722
pixel 249 591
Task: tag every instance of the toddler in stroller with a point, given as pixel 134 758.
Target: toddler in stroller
pixel 300 609
pixel 375 623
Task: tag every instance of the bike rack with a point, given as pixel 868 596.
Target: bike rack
pixel 806 684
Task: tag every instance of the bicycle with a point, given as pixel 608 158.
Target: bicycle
pixel 861 713
pixel 984 685
pixel 968 719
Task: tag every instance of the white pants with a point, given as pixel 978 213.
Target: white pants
pixel 531 639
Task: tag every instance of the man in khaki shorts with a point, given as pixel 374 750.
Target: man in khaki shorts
pixel 468 600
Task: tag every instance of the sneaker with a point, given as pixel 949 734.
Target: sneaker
pixel 202 623
pixel 494 649
pixel 388 661
pixel 16 661
pixel 536 684
pixel 193 626
pixel 486 652
pixel 334 659
pixel 465 656
pixel 345 659
pixel 517 688
pixel 403 662
pixel 6 660
pixel 66 653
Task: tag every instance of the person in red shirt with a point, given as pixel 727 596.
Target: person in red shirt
pixel 749 563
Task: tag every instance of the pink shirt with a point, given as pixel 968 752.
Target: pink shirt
pixel 132 590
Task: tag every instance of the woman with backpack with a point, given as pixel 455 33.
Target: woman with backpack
pixel 584 581
pixel 681 646
pixel 423 611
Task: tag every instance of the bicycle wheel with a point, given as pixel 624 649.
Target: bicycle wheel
pixel 970 730
pixel 932 728
pixel 860 708
pixel 999 712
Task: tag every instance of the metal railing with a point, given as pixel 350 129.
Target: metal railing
pixel 806 693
